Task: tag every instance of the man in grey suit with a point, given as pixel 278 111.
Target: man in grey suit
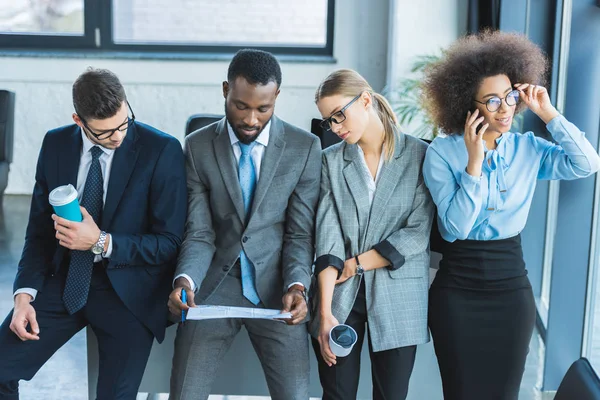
pixel 253 184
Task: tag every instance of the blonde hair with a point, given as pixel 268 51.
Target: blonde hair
pixel 349 83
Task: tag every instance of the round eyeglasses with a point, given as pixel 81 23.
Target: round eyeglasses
pixel 494 103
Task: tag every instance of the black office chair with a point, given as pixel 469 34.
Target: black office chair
pixel 198 121
pixel 580 383
pixel 329 138
pixel 326 137
pixel 7 119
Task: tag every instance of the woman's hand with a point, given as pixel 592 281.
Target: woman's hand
pixel 348 272
pixel 327 323
pixel 536 98
pixel 474 142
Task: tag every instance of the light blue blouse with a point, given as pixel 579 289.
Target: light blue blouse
pixel 496 204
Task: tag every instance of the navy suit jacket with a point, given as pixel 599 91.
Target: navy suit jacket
pixel 144 212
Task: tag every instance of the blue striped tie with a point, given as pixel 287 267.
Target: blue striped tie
pixel 247 178
pixel 79 276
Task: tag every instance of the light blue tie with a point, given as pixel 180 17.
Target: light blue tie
pixel 247 178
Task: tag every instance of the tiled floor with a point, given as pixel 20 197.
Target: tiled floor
pixel 64 377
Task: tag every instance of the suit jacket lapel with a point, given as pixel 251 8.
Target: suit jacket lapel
pixel 228 167
pixel 385 187
pixel 353 174
pixel 270 161
pixel 122 166
pixel 69 158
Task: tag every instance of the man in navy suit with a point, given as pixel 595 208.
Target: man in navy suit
pixel 112 271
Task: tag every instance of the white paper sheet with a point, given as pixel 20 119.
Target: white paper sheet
pixel 212 312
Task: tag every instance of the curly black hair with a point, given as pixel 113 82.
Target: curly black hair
pixel 256 66
pixel 450 85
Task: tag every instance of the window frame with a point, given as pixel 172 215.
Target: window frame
pixel 98 39
pixel 44 42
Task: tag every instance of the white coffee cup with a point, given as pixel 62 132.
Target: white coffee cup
pixel 344 343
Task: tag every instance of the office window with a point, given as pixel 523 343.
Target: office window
pixel 168 26
pixel 225 22
pixel 57 17
pixel 591 336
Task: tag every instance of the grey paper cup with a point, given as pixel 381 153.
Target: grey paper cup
pixel 342 339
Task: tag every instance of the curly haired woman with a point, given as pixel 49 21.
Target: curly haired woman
pixel 482 177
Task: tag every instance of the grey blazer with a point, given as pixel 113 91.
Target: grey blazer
pixel 279 235
pixel 397 225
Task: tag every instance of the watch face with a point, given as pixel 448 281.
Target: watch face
pixel 96 249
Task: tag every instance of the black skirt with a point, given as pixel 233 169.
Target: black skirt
pixel 481 315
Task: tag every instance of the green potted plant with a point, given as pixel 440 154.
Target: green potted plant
pixel 405 99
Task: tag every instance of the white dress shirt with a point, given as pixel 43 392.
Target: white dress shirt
pixel 257 154
pixel 85 161
pixel 371 183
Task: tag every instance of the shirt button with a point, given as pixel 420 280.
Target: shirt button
pixel 244 239
pixel 225 268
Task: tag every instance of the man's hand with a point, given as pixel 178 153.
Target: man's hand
pixel 295 303
pixel 76 235
pixel 23 315
pixel 175 304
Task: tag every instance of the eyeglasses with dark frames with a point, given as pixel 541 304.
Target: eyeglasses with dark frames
pixel 338 117
pixel 494 103
pixel 109 132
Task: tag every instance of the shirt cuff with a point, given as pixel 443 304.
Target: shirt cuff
pixel 468 178
pixel 187 278
pixel 555 124
pixel 295 283
pixel 110 247
pixel 30 291
pixel 563 130
pixel 327 260
pixel 470 184
pixel 389 252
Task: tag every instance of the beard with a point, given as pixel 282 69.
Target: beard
pixel 237 129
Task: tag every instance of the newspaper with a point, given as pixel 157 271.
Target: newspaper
pixel 212 312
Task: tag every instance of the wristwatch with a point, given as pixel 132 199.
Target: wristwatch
pixel 359 268
pixel 98 248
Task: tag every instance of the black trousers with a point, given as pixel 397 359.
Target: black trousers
pixel 481 315
pixel 124 343
pixel 390 369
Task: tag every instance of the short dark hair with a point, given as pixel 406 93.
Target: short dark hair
pixel 451 84
pixel 97 94
pixel 256 66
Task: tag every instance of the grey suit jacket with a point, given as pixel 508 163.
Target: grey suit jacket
pixel 279 235
pixel 397 225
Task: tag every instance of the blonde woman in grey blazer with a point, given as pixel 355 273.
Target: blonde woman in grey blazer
pixel 372 241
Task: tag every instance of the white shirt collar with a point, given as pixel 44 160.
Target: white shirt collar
pixel 88 144
pixel 263 137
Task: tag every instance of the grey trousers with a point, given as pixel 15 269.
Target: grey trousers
pixel 201 345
